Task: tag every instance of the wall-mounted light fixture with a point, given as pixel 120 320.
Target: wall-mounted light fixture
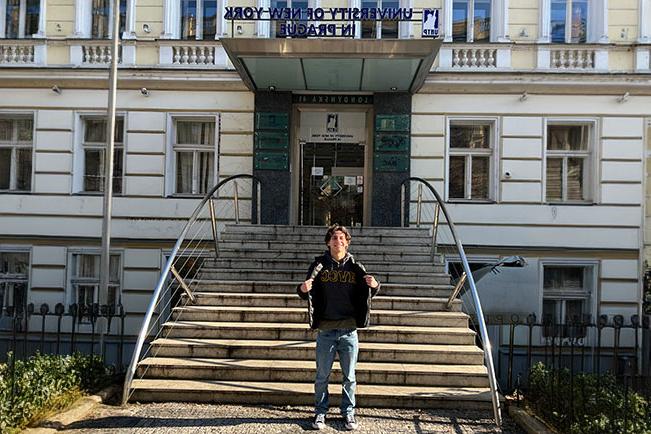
pixel 524 96
pixel 393 88
pixel 272 88
pixel 56 89
pixel 623 98
pixel 146 28
pixel 239 29
pixel 144 91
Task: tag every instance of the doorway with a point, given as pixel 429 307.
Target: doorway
pixel 332 184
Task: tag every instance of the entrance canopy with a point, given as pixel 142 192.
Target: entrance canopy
pixel 342 65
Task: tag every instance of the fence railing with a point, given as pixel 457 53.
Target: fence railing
pixel 198 240
pixel 426 209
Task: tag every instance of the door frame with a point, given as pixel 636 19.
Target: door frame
pixel 296 156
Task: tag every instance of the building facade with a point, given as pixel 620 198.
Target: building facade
pixel 533 122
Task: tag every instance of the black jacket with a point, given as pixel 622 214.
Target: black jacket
pixel 317 297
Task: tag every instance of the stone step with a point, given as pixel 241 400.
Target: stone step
pixel 320 231
pixel 304 350
pixel 289 287
pixel 299 275
pixel 304 371
pixel 295 331
pixel 389 239
pixel 365 257
pixel 318 247
pixel 160 390
pixel 292 300
pixel 300 315
pixel 304 263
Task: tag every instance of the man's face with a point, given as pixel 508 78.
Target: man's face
pixel 338 243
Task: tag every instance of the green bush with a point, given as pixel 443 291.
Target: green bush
pixel 586 404
pixel 42 381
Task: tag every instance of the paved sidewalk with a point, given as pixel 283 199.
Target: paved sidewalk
pixel 232 419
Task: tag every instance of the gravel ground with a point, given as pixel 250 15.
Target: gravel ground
pixel 233 419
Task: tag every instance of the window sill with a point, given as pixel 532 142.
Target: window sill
pixel 94 193
pixel 569 203
pixel 16 192
pixel 472 201
pixel 186 196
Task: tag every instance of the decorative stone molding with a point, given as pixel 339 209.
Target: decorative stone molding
pixel 474 57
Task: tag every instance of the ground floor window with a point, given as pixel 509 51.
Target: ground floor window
pixel 14 279
pixel 194 155
pixel 85 279
pixel 567 291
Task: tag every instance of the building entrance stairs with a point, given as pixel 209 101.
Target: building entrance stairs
pixel 245 339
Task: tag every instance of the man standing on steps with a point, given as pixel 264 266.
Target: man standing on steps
pixel 338 291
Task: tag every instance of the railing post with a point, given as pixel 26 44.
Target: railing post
pixel 402 205
pixel 456 291
pixel 213 225
pixel 179 279
pixel 419 204
pixel 258 211
pixel 237 203
pixel 435 229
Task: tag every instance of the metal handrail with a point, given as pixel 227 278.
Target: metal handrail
pixel 483 331
pixel 131 370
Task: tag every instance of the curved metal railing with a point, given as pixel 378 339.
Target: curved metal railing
pixel 197 240
pixel 437 232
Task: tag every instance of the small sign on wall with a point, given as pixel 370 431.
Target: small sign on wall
pixel 430 23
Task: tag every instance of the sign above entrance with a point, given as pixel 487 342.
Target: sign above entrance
pixel 332 99
pixel 332 127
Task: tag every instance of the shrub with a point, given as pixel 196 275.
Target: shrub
pixel 43 381
pixel 586 403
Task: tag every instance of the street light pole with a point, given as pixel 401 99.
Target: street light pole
pixel 108 172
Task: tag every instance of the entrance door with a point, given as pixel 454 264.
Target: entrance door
pixel 332 184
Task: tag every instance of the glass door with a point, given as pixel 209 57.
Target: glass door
pixel 332 184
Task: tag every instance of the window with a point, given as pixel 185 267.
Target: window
pixel 569 21
pixel 298 4
pixel 385 29
pixel 14 278
pixel 21 18
pixel 566 298
pixel 471 20
pixel 471 150
pixel 16 136
pixel 84 279
pixel 194 152
pixel 94 149
pixel 199 19
pixel 567 162
pixel 102 18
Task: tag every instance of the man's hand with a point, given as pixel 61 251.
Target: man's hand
pixel 307 285
pixel 370 281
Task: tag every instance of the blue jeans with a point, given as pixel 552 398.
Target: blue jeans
pixel 328 344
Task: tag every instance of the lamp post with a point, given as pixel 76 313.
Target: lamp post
pixel 105 261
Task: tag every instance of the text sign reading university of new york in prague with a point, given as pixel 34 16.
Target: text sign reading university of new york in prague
pixel 300 22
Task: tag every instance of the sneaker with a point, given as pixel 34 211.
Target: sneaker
pixel 319 421
pixel 351 423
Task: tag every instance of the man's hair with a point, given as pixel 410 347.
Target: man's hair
pixel 334 228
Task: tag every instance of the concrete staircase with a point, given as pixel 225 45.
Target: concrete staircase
pixel 246 338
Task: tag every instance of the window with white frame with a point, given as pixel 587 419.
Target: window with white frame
pixel 470 160
pixel 21 18
pixel 102 18
pixel 16 138
pixel 14 278
pixel 569 21
pixel 94 150
pixel 294 4
pixel 199 19
pixel 471 20
pixel 194 155
pixel 85 279
pixel 568 162
pixel 381 29
pixel 567 291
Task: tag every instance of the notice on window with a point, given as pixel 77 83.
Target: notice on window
pixel 317 171
pixel 350 180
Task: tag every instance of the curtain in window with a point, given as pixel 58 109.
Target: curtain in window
pixel 554 184
pixel 479 182
pixel 195 133
pixel 457 177
pixel 100 21
pixel 575 179
pixel 88 265
pixel 94 170
pixel 567 137
pixel 579 30
pixel 559 278
pixel 6 130
pixel 25 129
pixel 5 169
pixel 206 173
pixel 184 172
pixel 12 19
pixel 23 169
pixel 14 263
pixel 31 17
